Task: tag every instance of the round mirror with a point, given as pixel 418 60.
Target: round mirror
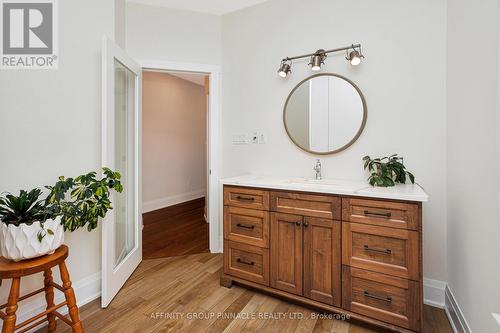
pixel 325 114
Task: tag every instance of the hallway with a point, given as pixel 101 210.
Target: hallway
pixel 176 230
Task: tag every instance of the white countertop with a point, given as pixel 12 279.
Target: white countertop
pixel 409 192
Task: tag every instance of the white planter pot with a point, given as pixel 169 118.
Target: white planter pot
pixel 21 243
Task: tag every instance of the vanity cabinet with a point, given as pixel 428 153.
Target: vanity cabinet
pixel 359 256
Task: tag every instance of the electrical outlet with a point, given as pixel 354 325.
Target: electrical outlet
pixel 254 139
pixel 240 139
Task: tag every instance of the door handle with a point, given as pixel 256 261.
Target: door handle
pixel 384 251
pixel 297 223
pixel 386 215
pixel 239 225
pixel 241 261
pixel 306 224
pixel 387 299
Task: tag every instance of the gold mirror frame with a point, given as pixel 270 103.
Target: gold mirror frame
pixel 361 128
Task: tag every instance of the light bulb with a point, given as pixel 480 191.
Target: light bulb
pixel 284 70
pixel 354 58
pixel 316 62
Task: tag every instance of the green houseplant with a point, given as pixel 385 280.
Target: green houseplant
pixel 387 171
pixel 24 223
pixel 25 208
pixel 87 201
pixel 31 227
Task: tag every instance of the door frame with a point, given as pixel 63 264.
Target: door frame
pixel 214 136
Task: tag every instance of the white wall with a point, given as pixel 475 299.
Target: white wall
pixel 174 35
pixel 50 123
pixel 120 22
pixel 174 118
pixel 473 160
pixel 405 94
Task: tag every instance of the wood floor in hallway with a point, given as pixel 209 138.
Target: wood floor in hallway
pixel 176 230
pixel 163 293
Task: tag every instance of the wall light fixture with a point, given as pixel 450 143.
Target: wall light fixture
pixel 353 55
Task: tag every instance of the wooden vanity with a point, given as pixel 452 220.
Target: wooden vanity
pixel 349 254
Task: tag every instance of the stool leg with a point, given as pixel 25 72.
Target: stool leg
pixel 76 326
pixel 49 297
pixel 9 322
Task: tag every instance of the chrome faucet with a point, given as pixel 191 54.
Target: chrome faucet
pixel 317 169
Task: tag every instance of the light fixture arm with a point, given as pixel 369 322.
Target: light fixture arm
pixel 324 52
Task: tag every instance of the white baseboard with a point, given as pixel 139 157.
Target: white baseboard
pixel 86 290
pixel 455 315
pixel 434 293
pixel 150 206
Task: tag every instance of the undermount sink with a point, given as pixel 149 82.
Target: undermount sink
pixel 324 184
pixel 306 181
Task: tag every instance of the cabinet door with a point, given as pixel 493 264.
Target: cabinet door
pixel 322 260
pixel 286 252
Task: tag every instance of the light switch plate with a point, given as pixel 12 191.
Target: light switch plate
pixel 240 139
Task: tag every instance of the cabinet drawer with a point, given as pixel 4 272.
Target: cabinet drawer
pixel 247 226
pixel 246 198
pixel 386 298
pixel 323 206
pixel 382 213
pixel 385 250
pixel 247 262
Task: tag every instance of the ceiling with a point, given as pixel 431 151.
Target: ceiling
pixel 216 7
pixel 198 79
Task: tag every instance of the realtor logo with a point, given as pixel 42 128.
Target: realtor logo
pixel 29 38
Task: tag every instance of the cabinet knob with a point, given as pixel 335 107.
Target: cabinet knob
pixel 306 224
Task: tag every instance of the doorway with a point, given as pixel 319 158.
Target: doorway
pixel 122 151
pixel 175 108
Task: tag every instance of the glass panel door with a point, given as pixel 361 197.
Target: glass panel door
pixel 124 161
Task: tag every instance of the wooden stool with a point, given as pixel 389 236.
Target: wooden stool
pixel 16 270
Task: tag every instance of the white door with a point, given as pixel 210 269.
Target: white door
pixel 121 139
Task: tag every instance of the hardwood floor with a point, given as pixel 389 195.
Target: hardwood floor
pixel 162 294
pixel 175 230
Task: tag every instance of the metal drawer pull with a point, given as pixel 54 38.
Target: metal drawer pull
pixel 241 261
pixel 384 251
pixel 387 215
pixel 239 197
pixel 387 299
pixel 239 225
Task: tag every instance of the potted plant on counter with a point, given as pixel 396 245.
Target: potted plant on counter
pixel 387 171
pixel 31 227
